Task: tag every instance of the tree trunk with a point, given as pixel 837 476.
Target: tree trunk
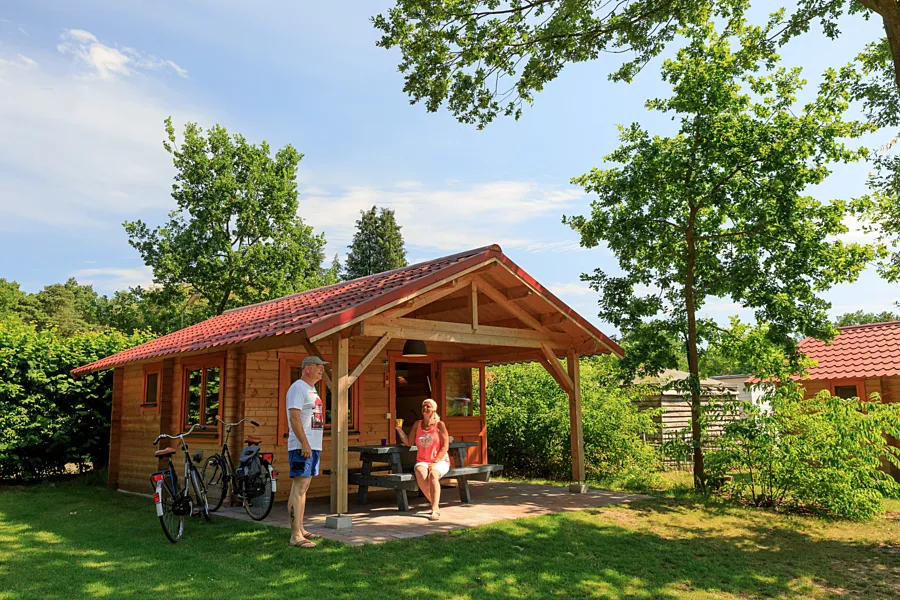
pixel 220 307
pixel 889 10
pixel 693 361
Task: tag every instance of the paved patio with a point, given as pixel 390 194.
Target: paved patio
pixel 380 521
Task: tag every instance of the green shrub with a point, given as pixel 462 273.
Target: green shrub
pixel 528 423
pixel 822 454
pixel 48 418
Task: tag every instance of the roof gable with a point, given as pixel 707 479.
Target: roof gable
pixel 327 309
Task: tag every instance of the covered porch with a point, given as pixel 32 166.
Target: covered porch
pixel 378 521
pixel 454 326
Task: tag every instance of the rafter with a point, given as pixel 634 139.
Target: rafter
pixel 426 299
pixel 473 301
pixel 517 311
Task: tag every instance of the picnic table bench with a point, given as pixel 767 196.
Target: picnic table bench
pixel 387 458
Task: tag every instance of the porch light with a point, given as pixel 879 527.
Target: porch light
pixel 415 348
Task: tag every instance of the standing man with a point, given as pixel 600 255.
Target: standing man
pixel 306 417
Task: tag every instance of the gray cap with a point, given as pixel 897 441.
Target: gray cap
pixel 313 360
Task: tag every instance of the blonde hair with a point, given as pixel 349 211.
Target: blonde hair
pixel 434 416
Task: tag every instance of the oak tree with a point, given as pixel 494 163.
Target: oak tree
pixel 719 209
pixel 235 237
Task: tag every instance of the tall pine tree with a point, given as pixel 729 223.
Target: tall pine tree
pixel 377 244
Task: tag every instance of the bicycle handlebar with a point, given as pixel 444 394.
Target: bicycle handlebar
pixel 179 436
pixel 254 423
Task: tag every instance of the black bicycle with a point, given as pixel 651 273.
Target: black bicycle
pixel 253 482
pixel 174 504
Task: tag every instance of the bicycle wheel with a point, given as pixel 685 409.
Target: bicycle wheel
pixel 216 482
pixel 259 497
pixel 172 524
pixel 200 492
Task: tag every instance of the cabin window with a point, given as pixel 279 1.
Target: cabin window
pixel 846 391
pixel 203 378
pixel 463 391
pixel 150 399
pixel 290 371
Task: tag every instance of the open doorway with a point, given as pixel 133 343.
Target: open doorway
pixel 412 384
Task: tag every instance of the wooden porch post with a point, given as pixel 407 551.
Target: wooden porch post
pixel 340 407
pixel 577 434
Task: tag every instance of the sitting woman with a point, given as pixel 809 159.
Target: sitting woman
pixel 432 458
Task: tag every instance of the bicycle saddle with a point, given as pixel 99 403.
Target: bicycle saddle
pixel 164 452
pixel 253 440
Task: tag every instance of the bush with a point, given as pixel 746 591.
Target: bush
pixel 528 423
pixel 48 418
pixel 822 454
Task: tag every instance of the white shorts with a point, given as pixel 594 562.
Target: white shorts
pixel 441 467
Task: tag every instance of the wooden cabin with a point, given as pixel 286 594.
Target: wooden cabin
pixel 471 309
pixel 862 360
pixel 665 391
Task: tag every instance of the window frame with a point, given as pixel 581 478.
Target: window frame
pixel 482 388
pixel 151 369
pixel 202 363
pixel 858 382
pixel 287 361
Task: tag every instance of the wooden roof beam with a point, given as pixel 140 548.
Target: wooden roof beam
pixel 473 301
pixel 515 310
pixel 553 366
pixel 462 333
pixel 370 355
pixel 427 298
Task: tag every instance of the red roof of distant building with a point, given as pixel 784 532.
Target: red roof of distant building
pixel 858 351
pixel 321 309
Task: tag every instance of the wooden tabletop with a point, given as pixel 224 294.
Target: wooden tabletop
pixel 398 448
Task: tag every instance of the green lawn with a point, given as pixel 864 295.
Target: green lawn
pixel 72 541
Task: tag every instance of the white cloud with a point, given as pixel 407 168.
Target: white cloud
pixel 83 145
pixel 449 218
pixel 855 233
pixel 110 279
pixel 20 61
pixel 80 35
pixel 109 61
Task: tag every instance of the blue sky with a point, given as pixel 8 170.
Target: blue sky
pixel 84 90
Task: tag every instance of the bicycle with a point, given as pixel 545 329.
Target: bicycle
pixel 173 504
pixel 253 482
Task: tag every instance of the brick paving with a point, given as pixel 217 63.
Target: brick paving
pixel 379 520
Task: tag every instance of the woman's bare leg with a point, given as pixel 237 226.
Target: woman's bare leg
pixel 434 479
pixel 422 480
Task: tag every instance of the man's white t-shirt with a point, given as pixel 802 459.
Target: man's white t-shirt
pixel 304 397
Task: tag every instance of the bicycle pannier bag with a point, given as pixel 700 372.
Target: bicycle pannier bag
pixel 248 467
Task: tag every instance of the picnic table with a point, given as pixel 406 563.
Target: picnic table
pixel 382 467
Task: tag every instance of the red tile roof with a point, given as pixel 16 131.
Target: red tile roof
pixel 858 351
pixel 319 310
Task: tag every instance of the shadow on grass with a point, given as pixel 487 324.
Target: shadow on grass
pixel 65 542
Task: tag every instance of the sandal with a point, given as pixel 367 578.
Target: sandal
pixel 304 544
pixel 311 536
pixel 435 515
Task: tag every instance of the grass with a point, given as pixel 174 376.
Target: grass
pixel 663 484
pixel 69 541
